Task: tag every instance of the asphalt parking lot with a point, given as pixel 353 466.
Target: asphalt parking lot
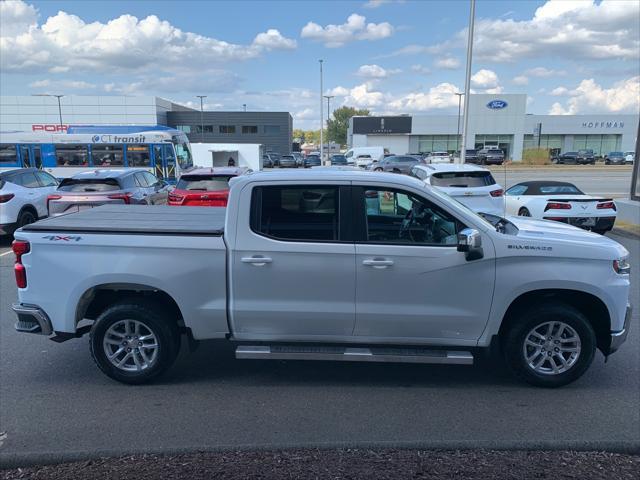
pixel 55 402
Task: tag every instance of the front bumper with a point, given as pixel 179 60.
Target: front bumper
pixel 32 319
pixel 618 338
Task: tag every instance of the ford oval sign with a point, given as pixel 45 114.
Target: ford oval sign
pixel 497 104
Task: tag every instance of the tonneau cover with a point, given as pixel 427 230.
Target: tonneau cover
pixel 137 219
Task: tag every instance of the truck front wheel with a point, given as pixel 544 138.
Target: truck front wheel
pixel 134 342
pixel 550 346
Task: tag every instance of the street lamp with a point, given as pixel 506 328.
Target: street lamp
pixel 244 107
pixel 59 107
pixel 467 82
pixel 458 131
pixel 321 117
pixel 328 97
pixel 201 97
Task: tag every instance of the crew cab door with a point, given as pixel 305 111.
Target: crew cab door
pixel 292 272
pixel 412 283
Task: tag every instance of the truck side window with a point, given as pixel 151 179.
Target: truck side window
pixel 308 213
pixel 397 217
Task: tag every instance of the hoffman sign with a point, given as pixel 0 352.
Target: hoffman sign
pixel 613 124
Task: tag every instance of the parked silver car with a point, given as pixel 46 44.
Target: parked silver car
pixel 99 187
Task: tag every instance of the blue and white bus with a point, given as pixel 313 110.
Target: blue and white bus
pixel 162 150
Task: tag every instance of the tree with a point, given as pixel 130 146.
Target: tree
pixel 299 135
pixel 339 124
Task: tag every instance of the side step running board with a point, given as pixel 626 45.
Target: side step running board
pixel 350 354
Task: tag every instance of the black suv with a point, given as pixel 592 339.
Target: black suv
pixel 491 156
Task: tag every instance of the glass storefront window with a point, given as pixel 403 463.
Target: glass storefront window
pixel 438 143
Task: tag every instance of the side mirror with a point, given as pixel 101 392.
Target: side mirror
pixel 470 242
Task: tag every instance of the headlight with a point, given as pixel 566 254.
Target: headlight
pixel 622 266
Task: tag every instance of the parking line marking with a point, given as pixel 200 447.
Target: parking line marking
pixel 6 253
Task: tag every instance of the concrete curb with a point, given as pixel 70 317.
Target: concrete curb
pixel 26 459
pixel 625 233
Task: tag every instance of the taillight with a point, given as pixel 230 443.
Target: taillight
pixel 52 197
pixel 20 248
pixel 125 197
pixel 6 197
pixel 174 197
pixel 557 206
pixel 606 205
pixel 497 193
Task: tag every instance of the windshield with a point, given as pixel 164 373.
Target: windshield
pixel 211 183
pixel 183 151
pixel 89 185
pixel 553 189
pixel 444 197
pixel 462 179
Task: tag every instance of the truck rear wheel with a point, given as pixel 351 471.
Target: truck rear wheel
pixel 134 342
pixel 550 346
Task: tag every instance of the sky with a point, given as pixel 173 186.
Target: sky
pixel 389 56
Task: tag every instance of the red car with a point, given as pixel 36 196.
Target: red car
pixel 204 187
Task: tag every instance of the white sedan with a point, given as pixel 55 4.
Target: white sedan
pixel 471 185
pixel 562 202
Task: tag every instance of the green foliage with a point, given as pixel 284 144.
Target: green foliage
pixel 536 156
pixel 339 124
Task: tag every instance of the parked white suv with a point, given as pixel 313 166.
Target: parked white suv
pixel 438 157
pixel 471 185
pixel 23 197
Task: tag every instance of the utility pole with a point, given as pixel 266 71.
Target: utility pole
pixel 328 97
pixel 458 131
pixel 201 97
pixel 467 82
pixel 59 105
pixel 321 118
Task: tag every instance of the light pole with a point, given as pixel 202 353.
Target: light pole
pixel 59 105
pixel 321 118
pixel 328 97
pixel 467 82
pixel 201 97
pixel 458 131
pixel 244 107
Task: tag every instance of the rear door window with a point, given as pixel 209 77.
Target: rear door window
pixel 89 185
pixel 28 180
pixel 307 213
pixel 462 179
pixel 46 180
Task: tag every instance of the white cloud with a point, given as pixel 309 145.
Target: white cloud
pixel 559 91
pixel 338 92
pixel 362 96
pixel 564 29
pixel 520 80
pixel 355 28
pixel 421 69
pixel 485 79
pixel 65 42
pixel 305 114
pixel 375 71
pixel 588 96
pixel 495 90
pixel 543 72
pixel 379 3
pixel 440 96
pixel 58 84
pixel 272 39
pixel 448 63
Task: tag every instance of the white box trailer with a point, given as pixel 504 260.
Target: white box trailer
pixel 220 154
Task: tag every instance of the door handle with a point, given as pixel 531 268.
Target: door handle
pixel 377 263
pixel 257 261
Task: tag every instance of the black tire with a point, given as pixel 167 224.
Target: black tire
pixel 159 323
pixel 513 344
pixel 26 217
pixel 524 212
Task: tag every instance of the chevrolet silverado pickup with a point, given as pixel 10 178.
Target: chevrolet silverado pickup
pixel 337 265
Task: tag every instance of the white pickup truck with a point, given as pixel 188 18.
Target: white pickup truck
pixel 335 265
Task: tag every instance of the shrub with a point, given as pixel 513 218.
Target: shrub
pixel 536 156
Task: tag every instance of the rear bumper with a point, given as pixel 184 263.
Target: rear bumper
pixel 618 338
pixel 32 319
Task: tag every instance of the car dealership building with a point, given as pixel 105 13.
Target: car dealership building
pixel 496 120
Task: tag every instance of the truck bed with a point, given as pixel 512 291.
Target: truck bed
pixel 140 219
